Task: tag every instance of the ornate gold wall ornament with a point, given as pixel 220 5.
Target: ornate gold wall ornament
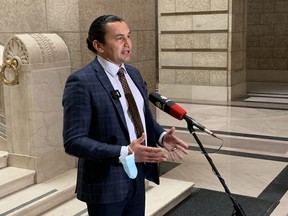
pixel 15 54
pixel 11 63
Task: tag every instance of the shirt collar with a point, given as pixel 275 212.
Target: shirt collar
pixel 110 67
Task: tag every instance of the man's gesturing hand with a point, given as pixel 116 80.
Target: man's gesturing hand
pixel 146 153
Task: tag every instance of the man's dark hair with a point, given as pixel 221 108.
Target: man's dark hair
pixel 97 29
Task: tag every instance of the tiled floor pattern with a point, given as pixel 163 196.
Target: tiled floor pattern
pixel 253 158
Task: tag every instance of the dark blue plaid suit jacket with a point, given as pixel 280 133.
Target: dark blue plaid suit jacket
pixel 94 131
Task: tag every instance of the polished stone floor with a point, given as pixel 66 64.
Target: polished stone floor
pixel 254 153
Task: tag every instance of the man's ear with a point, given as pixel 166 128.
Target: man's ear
pixel 98 46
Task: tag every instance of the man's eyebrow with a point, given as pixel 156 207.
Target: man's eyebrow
pixel 122 34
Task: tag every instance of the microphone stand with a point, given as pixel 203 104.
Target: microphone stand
pixel 238 209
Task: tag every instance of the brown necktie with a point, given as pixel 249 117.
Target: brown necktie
pixel 132 107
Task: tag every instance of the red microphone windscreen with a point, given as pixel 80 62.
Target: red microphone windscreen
pixel 177 112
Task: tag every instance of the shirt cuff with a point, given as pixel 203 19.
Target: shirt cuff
pixel 124 151
pixel 160 140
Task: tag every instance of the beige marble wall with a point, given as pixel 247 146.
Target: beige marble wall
pixel 140 16
pixel 40 16
pixel 70 20
pixel 201 49
pixel 267 40
pixel 237 49
pixel 33 108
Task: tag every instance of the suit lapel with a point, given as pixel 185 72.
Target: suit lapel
pixel 107 86
pixel 139 83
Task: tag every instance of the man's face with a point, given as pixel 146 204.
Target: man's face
pixel 118 45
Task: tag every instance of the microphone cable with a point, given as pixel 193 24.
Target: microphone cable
pixel 195 123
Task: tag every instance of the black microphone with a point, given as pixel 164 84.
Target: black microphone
pixel 175 110
pixel 115 94
pixel 167 105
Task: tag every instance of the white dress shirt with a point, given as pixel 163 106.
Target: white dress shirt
pixel 111 71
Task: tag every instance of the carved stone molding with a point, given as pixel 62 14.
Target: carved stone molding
pixel 16 49
pixel 47 47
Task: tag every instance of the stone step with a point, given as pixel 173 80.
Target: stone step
pixel 13 179
pixel 3 159
pixel 41 197
pixel 159 199
pixel 162 198
pixel 70 207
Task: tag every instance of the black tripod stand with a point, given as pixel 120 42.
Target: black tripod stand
pixel 238 209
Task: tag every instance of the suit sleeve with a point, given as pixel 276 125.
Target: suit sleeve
pixel 77 123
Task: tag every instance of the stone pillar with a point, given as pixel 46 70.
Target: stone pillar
pixel 201 49
pixel 33 109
